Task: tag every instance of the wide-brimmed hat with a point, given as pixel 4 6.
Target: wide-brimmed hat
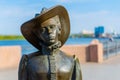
pixel 28 27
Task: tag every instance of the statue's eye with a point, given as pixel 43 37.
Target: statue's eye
pixel 52 26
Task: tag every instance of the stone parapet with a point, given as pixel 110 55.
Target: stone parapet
pixel 78 50
pixel 96 51
pixel 9 56
pixel 86 53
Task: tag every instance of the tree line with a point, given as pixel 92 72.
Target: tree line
pixel 11 37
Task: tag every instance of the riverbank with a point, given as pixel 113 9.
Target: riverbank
pixel 108 70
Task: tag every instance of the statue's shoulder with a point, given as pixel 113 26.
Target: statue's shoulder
pixel 68 57
pixel 26 57
pixel 72 58
pixel 34 54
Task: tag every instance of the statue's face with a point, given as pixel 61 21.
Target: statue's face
pixel 49 34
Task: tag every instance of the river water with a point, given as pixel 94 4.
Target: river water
pixel 28 48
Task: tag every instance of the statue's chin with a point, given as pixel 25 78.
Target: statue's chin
pixel 51 42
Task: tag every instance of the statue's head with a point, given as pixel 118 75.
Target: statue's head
pixel 49 31
pixel 50 26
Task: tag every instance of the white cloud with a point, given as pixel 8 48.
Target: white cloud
pixel 90 20
pixel 72 1
pixel 12 16
pixel 96 13
pixel 11 19
pixel 19 10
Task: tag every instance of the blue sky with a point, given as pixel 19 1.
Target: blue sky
pixel 84 14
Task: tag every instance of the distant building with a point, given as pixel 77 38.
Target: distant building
pixel 99 31
pixel 87 32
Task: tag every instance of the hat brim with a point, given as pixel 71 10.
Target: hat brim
pixel 28 27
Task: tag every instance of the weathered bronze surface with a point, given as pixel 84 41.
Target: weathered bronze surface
pixel 48 32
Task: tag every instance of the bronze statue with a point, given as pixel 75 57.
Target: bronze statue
pixel 48 32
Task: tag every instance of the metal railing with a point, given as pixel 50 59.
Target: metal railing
pixel 111 48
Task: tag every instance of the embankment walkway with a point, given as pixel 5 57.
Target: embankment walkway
pixel 108 70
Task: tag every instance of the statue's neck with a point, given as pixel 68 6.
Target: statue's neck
pixel 52 49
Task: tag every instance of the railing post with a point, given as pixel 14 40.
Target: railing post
pixel 107 48
pixel 116 47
